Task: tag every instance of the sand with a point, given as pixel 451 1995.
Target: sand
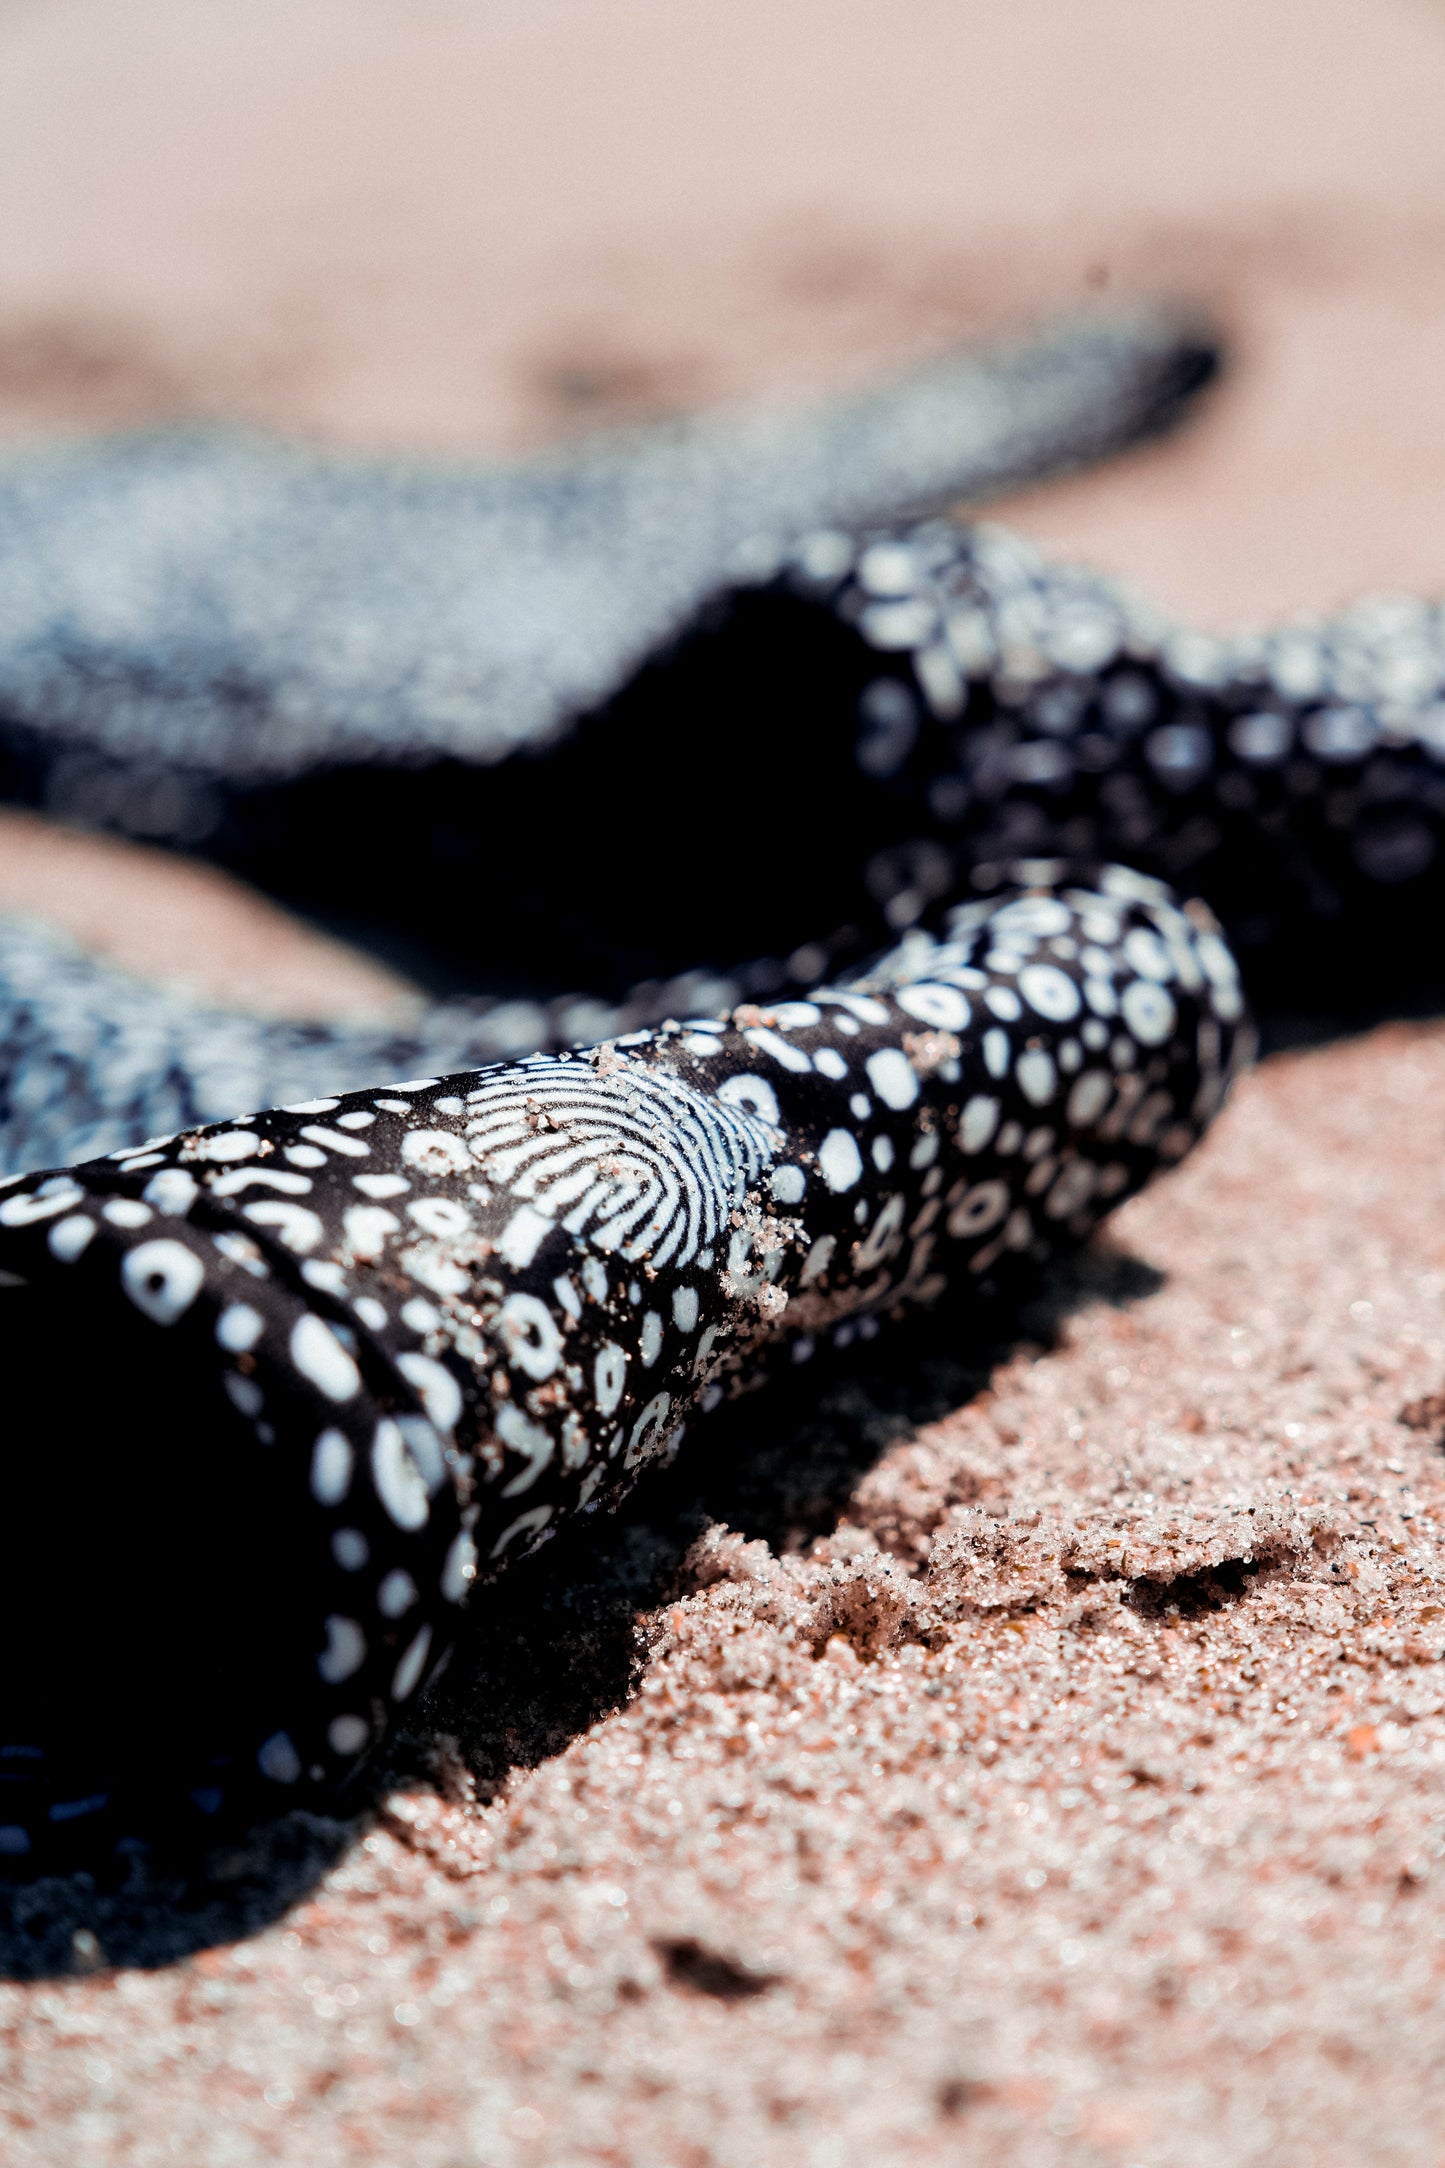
pixel 1027 1751
pixel 186 925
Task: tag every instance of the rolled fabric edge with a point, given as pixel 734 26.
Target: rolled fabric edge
pixel 422 1325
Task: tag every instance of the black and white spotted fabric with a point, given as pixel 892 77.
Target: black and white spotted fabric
pixel 284 1385
pixel 288 1384
pixel 189 618
pixel 879 716
pixel 92 1058
pixel 984 703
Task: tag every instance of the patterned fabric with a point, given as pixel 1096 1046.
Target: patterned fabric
pixel 301 1376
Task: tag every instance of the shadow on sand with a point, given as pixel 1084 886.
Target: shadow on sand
pixel 560 1643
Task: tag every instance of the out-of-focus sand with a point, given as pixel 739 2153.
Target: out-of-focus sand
pixel 415 222
pixel 188 926
pixel 939 1835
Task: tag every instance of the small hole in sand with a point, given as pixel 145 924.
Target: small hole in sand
pixel 701 1971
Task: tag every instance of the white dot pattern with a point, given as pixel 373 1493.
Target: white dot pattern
pixel 578 1249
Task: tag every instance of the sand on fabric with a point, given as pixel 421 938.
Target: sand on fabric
pixel 1033 1755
